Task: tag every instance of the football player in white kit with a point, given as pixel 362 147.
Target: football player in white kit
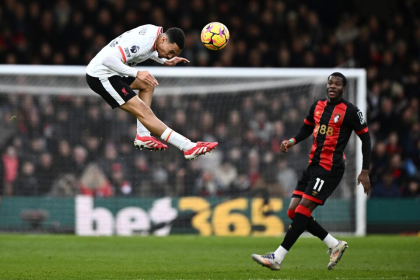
pixel 111 74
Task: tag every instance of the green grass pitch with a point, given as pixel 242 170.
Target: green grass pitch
pixel 195 257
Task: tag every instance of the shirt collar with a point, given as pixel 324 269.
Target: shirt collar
pixel 160 31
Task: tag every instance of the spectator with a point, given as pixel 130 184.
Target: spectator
pixel 393 146
pixel 8 125
pixel 94 182
pixel 225 175
pixel 80 162
pixel 93 146
pixel 120 185
pixel 287 177
pixel 11 167
pixel 65 186
pixel 121 123
pixel 207 185
pixel 64 157
pixel 379 161
pixel 235 127
pixel 387 119
pixel 141 177
pixel 45 173
pixel 36 147
pixel 110 158
pixel 61 127
pixel 262 128
pixel 160 178
pixel 95 123
pixel 399 173
pixel 386 186
pixel 241 184
pixel 412 189
pixel 253 167
pixel 278 136
pixel 27 183
pixel 188 178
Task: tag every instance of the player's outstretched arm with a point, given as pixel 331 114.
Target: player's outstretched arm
pixel 304 132
pixel 175 60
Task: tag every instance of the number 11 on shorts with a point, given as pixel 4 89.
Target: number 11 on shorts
pixel 318 181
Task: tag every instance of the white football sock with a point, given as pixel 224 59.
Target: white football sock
pixel 330 241
pixel 176 139
pixel 142 130
pixel 279 254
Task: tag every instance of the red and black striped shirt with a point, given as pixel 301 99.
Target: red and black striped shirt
pixel 333 123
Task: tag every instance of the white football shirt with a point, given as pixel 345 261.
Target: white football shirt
pixel 135 46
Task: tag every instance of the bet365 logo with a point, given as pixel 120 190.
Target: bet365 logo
pixel 237 217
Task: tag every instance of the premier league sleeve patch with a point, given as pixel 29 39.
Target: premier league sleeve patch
pixel 134 49
pixel 361 118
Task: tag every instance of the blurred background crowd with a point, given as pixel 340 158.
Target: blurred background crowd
pixel 69 145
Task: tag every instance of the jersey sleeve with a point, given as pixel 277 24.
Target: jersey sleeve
pixel 310 120
pixel 138 42
pixel 357 121
pixel 129 50
pixel 113 61
pixel 156 58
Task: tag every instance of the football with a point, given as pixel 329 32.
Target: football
pixel 215 36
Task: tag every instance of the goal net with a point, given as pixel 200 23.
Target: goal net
pixel 62 145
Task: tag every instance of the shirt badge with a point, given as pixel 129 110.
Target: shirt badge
pixel 337 118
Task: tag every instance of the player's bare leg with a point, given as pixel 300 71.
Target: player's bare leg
pixel 143 138
pixel 146 116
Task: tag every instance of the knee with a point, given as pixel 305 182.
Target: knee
pixel 142 86
pixel 148 88
pixel 291 213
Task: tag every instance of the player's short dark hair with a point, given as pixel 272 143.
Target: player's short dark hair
pixel 176 35
pixel 338 74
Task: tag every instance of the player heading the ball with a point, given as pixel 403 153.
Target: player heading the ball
pixel 111 75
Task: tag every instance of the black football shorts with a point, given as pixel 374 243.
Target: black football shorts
pixel 115 90
pixel 317 184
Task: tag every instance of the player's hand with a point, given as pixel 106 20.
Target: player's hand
pixel 364 179
pixel 175 60
pixel 285 145
pixel 145 76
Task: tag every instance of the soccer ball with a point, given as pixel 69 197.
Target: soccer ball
pixel 215 36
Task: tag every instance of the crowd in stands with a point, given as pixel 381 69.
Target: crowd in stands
pixel 69 145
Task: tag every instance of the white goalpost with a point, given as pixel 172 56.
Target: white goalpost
pixel 226 89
